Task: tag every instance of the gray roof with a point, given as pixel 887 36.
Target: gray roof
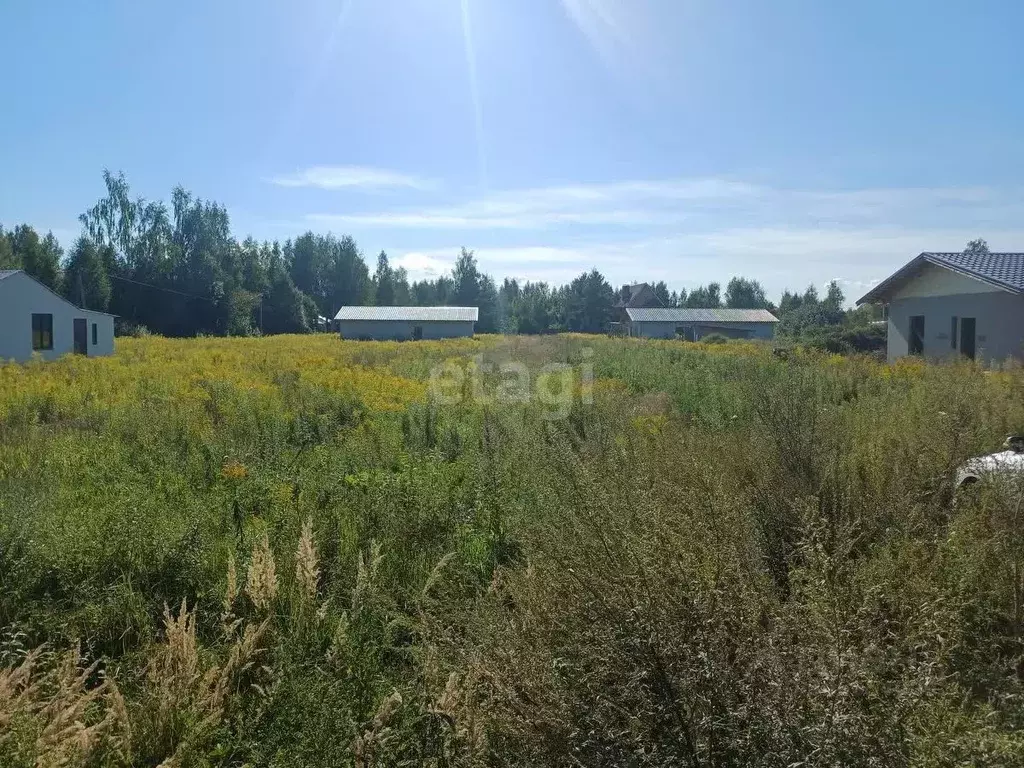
pixel 409 314
pixel 1000 270
pixel 635 293
pixel 681 315
pixel 5 273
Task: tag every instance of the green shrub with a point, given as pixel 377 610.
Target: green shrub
pixel 844 339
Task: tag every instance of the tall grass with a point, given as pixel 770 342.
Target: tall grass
pixel 283 551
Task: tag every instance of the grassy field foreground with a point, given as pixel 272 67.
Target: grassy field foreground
pixel 296 551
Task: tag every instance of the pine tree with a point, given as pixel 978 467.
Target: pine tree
pixel 588 302
pixel 742 293
pixel 384 282
pixel 283 310
pixel 7 260
pixel 466 277
pixel 661 291
pixel 86 282
pixel 39 258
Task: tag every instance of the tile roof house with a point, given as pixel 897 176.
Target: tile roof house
pixel 943 305
pixel 405 323
pixel 637 295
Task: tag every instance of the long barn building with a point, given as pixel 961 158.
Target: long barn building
pixel 405 323
pixel 694 324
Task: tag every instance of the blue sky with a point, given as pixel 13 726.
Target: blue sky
pixel 679 140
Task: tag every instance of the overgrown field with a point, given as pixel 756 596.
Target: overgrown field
pixel 296 551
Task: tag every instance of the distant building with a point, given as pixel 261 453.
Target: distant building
pixel 635 296
pixel 34 319
pixel 638 295
pixel 694 324
pixel 405 323
pixel 951 304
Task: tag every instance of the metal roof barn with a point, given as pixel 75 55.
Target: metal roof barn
pixel 439 314
pixel 406 323
pixel 694 324
pixel 683 315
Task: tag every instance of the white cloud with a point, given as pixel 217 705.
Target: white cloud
pixel 796 257
pixel 624 204
pixel 780 258
pixel 699 204
pixel 461 219
pixel 691 231
pixel 334 177
pixel 536 263
pixel 421 265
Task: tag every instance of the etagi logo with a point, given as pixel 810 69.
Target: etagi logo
pixel 555 385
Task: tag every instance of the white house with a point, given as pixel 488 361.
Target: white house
pixel 34 319
pixel 948 305
pixel 405 323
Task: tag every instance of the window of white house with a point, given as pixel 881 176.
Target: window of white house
pixel 95 334
pixel 42 331
pixel 952 332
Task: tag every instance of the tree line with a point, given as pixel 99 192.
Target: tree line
pixel 179 271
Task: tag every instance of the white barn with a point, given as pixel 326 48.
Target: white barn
pixel 34 319
pixel 405 323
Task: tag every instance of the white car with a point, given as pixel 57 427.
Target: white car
pixel 1005 464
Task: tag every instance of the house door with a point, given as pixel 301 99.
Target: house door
pixel 417 332
pixel 81 337
pixel 915 344
pixel 967 336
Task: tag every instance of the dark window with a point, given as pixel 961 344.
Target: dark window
pixel 42 331
pixel 952 333
pixel 915 343
pixel 95 334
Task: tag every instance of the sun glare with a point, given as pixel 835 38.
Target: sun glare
pixel 474 89
pixel 605 24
